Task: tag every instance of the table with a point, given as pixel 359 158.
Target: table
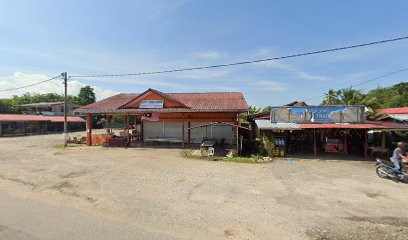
pixel 208 143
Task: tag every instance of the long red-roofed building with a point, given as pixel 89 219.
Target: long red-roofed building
pixel 21 124
pixel 153 116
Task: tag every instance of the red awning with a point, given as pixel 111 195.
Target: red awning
pixel 367 125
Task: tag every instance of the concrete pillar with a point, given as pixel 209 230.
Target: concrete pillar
pixel 128 128
pixel 345 142
pixel 108 121
pixel 383 139
pixel 314 143
pixel 189 133
pixel 89 129
pixel 366 144
pixel 182 133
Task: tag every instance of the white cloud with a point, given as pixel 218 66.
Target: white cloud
pixel 54 86
pixel 268 85
pixel 210 54
pixel 142 82
pixel 295 71
pixel 267 53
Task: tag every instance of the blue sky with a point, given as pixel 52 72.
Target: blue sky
pixel 40 39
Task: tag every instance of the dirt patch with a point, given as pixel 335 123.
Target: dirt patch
pixel 159 189
pixel 69 189
pixel 229 233
pixel 392 221
pixel 18 180
pixel 360 228
pixel 372 195
pixel 75 174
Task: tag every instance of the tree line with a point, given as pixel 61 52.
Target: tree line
pixel 381 97
pixel 11 105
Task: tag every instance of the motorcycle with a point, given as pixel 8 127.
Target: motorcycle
pixel 384 169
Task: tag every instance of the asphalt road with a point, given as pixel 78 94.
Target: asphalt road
pixel 26 218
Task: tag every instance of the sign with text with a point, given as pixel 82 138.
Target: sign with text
pixel 151 104
pixel 318 114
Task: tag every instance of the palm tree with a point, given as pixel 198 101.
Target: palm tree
pixel 332 98
pixel 350 96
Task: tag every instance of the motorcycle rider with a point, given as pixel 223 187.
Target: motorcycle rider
pixel 397 157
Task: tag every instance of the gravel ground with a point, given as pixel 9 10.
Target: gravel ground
pixel 155 193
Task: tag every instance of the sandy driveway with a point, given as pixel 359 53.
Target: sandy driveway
pixel 96 193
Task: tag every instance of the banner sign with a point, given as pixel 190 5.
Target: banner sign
pixel 151 104
pixel 318 114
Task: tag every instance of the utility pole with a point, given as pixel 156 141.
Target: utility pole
pixel 64 75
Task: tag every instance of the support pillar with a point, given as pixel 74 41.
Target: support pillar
pixel 383 139
pixel 182 134
pixel 345 142
pixel 127 128
pixel 89 129
pixel 141 131
pixel 366 144
pixel 189 133
pixel 108 121
pixel 314 143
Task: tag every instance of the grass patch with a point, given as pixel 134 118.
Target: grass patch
pixel 191 154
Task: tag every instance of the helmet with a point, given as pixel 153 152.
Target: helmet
pixel 401 144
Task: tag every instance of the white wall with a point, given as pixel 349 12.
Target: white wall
pixel 173 130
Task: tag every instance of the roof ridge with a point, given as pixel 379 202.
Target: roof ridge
pixel 201 92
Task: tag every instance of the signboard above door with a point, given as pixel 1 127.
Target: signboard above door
pixel 151 104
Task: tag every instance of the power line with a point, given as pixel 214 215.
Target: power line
pixel 30 85
pixel 364 82
pixel 244 62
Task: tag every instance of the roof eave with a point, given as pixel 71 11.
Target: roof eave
pixel 156 110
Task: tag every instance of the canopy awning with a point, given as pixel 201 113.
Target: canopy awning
pixel 264 124
pixel 220 123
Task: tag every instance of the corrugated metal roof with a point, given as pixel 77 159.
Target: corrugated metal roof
pixel 215 101
pixel 401 117
pixel 401 110
pixel 37 118
pixel 264 124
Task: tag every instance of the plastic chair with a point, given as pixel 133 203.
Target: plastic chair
pixel 211 151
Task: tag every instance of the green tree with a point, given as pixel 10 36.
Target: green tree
pixel 350 96
pixel 332 98
pixel 266 109
pixel 6 106
pixel 86 96
pixel 346 96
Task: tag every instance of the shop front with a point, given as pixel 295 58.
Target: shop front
pixel 154 118
pixel 320 130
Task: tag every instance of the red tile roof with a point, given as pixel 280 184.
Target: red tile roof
pixel 37 118
pixel 69 119
pixel 114 102
pixel 212 101
pixel 401 110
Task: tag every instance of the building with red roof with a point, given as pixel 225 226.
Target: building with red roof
pixel 154 116
pixel 326 129
pixel 22 124
pixel 396 115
